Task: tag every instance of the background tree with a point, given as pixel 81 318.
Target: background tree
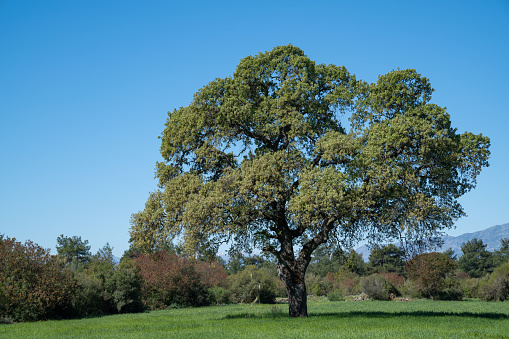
pixel 238 262
pixel 476 261
pixel 261 159
pixel 73 250
pixel 324 260
pixel 388 258
pixel 429 270
pixel 502 254
pixel 354 263
pixel 107 288
pixel 451 254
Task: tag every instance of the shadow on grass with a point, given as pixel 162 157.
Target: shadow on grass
pixel 343 315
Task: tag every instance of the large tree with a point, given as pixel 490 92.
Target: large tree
pixel 262 159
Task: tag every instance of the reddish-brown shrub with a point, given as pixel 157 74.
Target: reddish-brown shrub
pixel 429 271
pixel 169 280
pixel 34 285
pixel 212 273
pixel 393 277
pixel 345 282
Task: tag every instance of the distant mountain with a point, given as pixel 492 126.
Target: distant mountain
pixel 490 236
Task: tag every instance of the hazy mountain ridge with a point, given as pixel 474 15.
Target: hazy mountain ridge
pixel 490 236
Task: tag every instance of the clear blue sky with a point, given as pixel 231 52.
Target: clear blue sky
pixel 85 87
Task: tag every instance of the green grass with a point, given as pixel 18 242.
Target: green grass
pixel 362 319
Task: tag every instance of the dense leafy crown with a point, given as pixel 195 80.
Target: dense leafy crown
pixel 261 158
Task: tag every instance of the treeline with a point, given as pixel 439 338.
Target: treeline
pixel 388 274
pixel 35 285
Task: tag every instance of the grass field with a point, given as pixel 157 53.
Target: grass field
pixel 362 319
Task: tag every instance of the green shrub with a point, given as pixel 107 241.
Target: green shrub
pixel 105 288
pixel 378 287
pixel 496 286
pixel 127 290
pixel 252 283
pixel 471 287
pixel 451 290
pixel 219 295
pixel 335 296
pixel 88 299
pixel 318 285
pixel 409 289
pixel 345 281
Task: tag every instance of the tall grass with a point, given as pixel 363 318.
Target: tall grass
pixel 373 319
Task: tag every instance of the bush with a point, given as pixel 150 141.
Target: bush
pixel 378 287
pixel 451 290
pixel 428 271
pixel 212 274
pixel 395 279
pixel 471 287
pixel 127 289
pixel 170 279
pixel 34 284
pixel 496 287
pixel 318 285
pixel 105 288
pixel 253 283
pixel 219 295
pixel 344 281
pixel 335 296
pixel 409 289
pixel 88 299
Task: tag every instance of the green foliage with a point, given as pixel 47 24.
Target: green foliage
pixel 476 261
pixel 388 258
pixel 107 288
pixel 429 271
pixel 451 254
pixel 33 285
pixel 238 261
pixel 73 251
pixel 261 159
pixel 335 296
pixel 317 285
pixel 346 282
pixel 219 295
pixel 326 261
pixel 378 287
pixel 471 287
pixel 496 287
pixel 355 264
pixel 148 232
pixel 252 284
pixel 502 254
pixel 410 289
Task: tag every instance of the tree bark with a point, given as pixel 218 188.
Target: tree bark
pixel 296 289
pixel 297 300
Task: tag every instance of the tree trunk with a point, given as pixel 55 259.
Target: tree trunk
pixel 296 289
pixel 297 300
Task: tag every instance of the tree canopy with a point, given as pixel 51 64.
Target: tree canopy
pixel 73 250
pixel 262 159
pixel 476 260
